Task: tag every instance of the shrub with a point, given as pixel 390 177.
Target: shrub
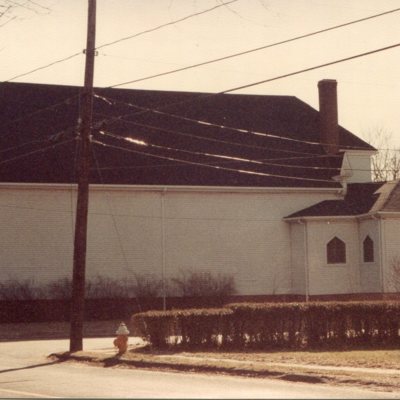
pixel 58 289
pixel 315 324
pixel 145 287
pixel 276 325
pixel 154 326
pixel 102 287
pixel 19 290
pixel 217 288
pixel 191 327
pixel 265 325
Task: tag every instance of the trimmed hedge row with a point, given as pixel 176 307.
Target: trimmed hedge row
pixel 193 327
pixel 274 325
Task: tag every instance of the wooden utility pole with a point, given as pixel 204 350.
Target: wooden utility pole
pixel 78 277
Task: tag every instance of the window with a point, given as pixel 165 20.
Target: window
pixel 368 249
pixel 336 251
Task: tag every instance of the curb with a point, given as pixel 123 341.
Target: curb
pixel 107 361
pixel 181 367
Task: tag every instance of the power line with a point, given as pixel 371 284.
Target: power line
pixel 205 96
pixel 207 123
pixel 119 40
pixel 311 68
pixel 241 171
pixel 43 67
pixel 133 167
pixel 21 145
pixel 204 63
pixel 174 132
pixel 167 24
pixel 139 142
pixel 35 151
pixel 228 159
pixel 257 48
pixel 63 102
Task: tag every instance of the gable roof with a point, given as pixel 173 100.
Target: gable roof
pixel 360 199
pixel 181 152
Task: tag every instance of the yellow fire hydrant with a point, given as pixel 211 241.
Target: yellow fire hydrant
pixel 122 338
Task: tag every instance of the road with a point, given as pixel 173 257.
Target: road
pixel 26 372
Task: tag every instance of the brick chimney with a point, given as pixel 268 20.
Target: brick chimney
pixel 328 115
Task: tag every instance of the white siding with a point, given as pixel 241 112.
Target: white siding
pixel 237 232
pixel 370 275
pixel 359 166
pixel 298 258
pixel 327 278
pixel 391 239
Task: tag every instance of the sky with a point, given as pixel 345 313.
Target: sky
pixel 36 33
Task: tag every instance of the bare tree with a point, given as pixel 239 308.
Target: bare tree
pixel 13 9
pixel 386 163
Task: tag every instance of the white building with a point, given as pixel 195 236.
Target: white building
pixel 263 188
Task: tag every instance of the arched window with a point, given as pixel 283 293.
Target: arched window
pixel 368 249
pixel 336 251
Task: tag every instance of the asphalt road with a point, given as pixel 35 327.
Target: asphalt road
pixel 26 372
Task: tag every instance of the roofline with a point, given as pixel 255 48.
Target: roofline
pixel 320 218
pixel 165 188
pixel 126 89
pixel 388 214
pixel 379 214
pixel 370 152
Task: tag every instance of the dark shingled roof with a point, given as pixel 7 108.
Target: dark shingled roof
pixel 25 128
pixel 361 198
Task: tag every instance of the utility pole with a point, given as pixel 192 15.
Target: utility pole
pixel 78 277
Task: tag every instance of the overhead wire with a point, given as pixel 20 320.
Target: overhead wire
pixel 66 101
pixel 303 36
pixel 210 139
pixel 108 44
pixel 35 151
pixel 221 126
pixel 120 40
pixel 166 24
pixel 43 67
pixel 228 159
pixel 367 53
pixel 146 143
pixel 241 171
pixel 210 61
pixel 124 256
pixel 209 95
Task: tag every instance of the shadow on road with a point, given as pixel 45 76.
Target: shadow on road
pixel 2 371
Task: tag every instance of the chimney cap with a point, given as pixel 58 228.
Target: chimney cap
pixel 327 82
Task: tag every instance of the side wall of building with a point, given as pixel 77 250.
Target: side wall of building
pixel 298 256
pixel 370 272
pixel 325 278
pixel 154 231
pixel 359 166
pixel 390 230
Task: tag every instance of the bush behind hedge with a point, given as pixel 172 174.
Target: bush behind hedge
pixel 275 325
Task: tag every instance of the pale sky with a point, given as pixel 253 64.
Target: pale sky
pixel 368 88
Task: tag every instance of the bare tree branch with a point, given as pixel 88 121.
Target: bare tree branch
pixel 385 164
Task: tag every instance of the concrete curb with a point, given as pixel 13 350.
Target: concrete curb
pixel 286 372
pixel 110 361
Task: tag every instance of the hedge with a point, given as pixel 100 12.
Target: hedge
pixel 274 325
pixel 192 327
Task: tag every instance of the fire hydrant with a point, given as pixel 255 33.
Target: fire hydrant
pixel 122 338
